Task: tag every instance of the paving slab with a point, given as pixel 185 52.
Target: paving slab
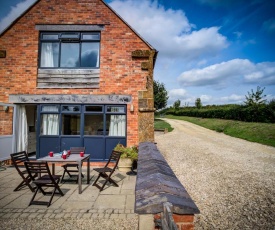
pixel 130 202
pixel 90 203
pixel 110 201
pixel 22 201
pixel 77 205
pixel 8 199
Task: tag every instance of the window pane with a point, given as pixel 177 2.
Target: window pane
pixel 94 36
pixel 70 108
pixel 93 108
pixel 49 54
pixel 50 108
pixel 90 54
pixel 93 125
pixel 117 125
pixel 70 124
pixel 49 124
pixel 69 36
pixel 116 109
pixel 69 55
pixel 50 36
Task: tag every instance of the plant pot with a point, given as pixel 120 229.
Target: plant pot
pixel 125 164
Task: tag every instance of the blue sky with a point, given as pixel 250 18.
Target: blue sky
pixel 216 50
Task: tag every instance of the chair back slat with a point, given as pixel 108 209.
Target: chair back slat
pixel 115 155
pixel 40 168
pixel 18 158
pixel 114 158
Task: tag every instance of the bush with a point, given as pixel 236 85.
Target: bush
pixel 127 152
pixel 257 113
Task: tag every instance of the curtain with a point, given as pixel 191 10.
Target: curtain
pixel 47 55
pixel 117 125
pixel 21 130
pixel 50 122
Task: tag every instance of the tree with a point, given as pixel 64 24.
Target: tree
pixel 198 103
pixel 271 104
pixel 160 95
pixel 255 98
pixel 177 104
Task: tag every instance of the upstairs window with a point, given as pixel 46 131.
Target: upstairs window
pixel 69 49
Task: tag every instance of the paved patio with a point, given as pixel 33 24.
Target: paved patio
pixel 112 202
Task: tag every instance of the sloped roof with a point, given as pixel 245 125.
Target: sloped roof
pixel 32 5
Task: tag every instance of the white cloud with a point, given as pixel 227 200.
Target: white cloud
pixel 262 72
pixel 233 99
pixel 169 31
pixel 228 73
pixel 177 93
pixel 189 99
pixel 205 98
pixel 186 98
pixel 15 12
pixel 206 41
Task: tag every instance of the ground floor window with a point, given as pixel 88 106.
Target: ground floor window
pixel 99 126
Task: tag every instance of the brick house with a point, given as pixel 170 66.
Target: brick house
pixel 74 73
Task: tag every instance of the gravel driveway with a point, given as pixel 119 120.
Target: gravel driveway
pixel 232 181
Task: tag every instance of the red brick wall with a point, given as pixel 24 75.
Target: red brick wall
pixel 119 73
pixel 183 222
pixel 6 121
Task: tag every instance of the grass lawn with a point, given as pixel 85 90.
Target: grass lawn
pixel 263 133
pixel 160 124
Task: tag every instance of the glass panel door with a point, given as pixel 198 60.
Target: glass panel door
pixel 49 121
pixel 71 132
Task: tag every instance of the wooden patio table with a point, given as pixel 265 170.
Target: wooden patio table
pixel 72 158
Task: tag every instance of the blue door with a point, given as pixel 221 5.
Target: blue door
pixel 97 127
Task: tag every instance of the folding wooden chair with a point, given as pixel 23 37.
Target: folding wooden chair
pixel 18 160
pixel 107 171
pixel 44 180
pixel 72 167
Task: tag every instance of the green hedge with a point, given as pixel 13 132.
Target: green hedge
pixel 260 113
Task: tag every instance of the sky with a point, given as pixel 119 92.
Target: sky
pixel 215 50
